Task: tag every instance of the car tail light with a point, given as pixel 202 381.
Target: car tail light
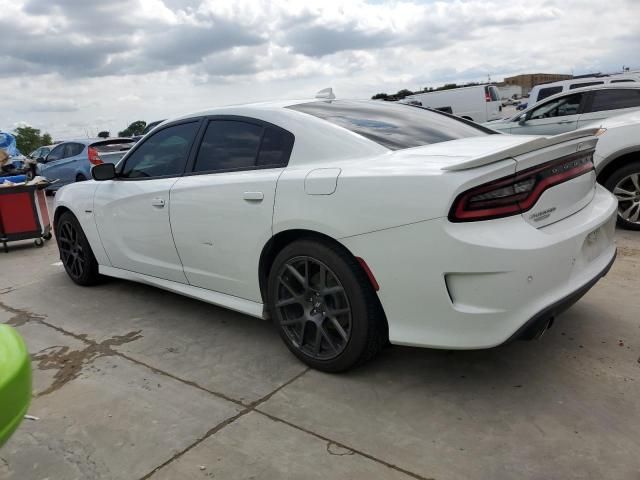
pixel 94 157
pixel 517 193
pixel 487 97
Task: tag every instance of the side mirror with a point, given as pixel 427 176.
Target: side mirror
pixel 523 119
pixel 41 160
pixel 104 171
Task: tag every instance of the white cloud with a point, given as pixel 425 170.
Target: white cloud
pixel 74 66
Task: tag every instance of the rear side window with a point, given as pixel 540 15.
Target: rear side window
pixel 585 84
pixel 392 125
pixel 547 92
pixel 627 80
pixel 72 149
pixel 276 147
pixel 229 145
pixel 491 93
pixel 615 100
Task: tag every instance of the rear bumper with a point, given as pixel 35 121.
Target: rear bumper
pixel 478 284
pixel 543 319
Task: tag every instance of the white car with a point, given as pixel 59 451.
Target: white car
pixel 617 162
pixel 545 90
pixel 349 224
pixel 572 110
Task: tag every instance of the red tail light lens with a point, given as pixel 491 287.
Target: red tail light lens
pixel 517 193
pixel 94 157
pixel 487 97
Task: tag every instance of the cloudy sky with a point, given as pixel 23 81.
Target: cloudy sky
pixel 74 67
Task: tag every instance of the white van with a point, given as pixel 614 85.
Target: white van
pixel 479 103
pixel 542 91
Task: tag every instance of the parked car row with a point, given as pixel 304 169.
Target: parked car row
pixel 350 224
pixel 71 161
pixel 615 108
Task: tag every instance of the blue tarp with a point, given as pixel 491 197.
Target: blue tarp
pixel 8 144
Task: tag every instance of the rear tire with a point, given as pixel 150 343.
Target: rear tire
pixel 75 252
pixel 624 183
pixel 324 306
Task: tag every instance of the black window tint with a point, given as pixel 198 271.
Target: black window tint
pixel 56 153
pixel 560 107
pixel 275 148
pixel 162 154
pixel 615 99
pixel 627 80
pixel 547 92
pixel 585 84
pixel 228 145
pixel 392 125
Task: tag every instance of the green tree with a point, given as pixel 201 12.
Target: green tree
pixel 46 139
pixel 135 128
pixel 27 139
pixel 380 96
pixel 103 134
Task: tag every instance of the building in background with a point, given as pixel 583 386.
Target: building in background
pixel 528 80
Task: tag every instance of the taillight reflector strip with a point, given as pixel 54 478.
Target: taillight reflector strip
pixel 517 193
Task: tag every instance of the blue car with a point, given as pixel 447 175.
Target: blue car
pixel 71 161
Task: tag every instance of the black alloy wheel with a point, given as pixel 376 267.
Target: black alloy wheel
pixel 313 308
pixel 75 252
pixel 324 306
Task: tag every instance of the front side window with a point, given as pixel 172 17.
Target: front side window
pixel 560 107
pixel 229 145
pixel 615 99
pixel 57 153
pixel 547 92
pixel 392 125
pixel 163 154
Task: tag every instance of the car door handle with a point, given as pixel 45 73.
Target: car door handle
pixel 253 196
pixel 158 202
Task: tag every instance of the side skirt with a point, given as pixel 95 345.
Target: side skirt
pixel 238 304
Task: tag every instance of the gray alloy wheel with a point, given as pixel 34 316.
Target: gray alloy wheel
pixel 627 191
pixel 313 308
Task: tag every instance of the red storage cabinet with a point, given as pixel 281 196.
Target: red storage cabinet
pixel 24 214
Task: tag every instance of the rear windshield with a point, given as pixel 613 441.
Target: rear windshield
pixel 392 125
pixel 109 146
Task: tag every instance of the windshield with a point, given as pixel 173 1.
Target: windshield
pixel 392 125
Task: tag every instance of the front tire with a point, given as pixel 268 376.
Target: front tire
pixel 324 306
pixel 624 183
pixel 75 252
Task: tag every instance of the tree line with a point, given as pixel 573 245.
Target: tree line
pixel 400 94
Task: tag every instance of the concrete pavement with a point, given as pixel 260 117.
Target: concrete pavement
pixel 132 382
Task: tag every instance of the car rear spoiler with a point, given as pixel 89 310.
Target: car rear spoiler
pixel 536 143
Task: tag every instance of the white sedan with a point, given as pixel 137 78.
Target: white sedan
pixel 350 224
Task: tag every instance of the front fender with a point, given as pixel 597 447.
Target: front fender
pixel 78 198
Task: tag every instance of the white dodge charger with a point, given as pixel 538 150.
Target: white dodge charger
pixel 350 224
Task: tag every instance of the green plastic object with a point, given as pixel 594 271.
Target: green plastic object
pixel 15 381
